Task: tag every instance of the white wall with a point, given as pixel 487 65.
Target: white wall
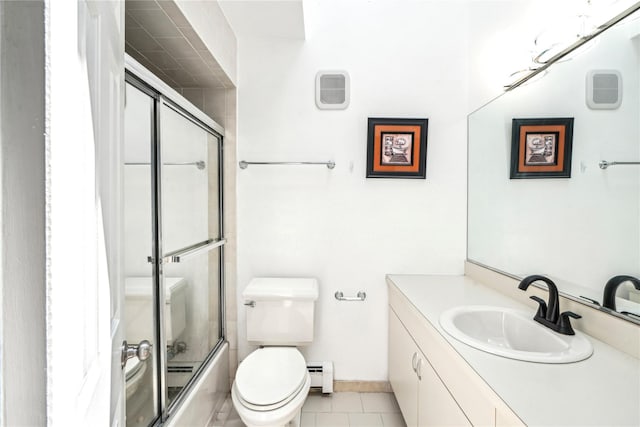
pixel 406 60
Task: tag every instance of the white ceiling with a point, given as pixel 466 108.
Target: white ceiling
pixel 265 18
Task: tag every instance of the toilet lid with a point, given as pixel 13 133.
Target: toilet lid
pixel 271 375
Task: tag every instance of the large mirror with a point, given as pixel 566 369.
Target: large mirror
pixel 580 230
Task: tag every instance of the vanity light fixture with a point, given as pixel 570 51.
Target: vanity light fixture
pixel 546 58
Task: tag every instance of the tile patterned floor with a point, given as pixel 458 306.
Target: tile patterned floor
pixel 345 409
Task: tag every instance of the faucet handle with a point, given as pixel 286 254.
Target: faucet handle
pixel 564 324
pixel 542 309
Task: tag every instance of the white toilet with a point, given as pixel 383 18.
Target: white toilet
pixel 272 382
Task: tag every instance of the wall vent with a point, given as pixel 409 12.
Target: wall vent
pixel 332 90
pixel 604 89
pixel 321 376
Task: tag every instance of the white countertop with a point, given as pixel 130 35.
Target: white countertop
pixel 603 390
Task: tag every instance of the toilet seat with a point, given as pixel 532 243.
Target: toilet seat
pixel 134 374
pixel 270 377
pixel 133 366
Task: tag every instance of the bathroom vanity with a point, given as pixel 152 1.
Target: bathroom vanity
pixel 439 380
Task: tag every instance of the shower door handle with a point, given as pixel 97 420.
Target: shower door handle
pixel 142 351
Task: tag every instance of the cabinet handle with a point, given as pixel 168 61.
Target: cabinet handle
pixel 419 369
pixel 413 361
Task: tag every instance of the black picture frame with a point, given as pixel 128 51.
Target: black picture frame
pixel 397 148
pixel 541 147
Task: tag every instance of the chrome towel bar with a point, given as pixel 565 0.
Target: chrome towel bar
pixel 605 164
pixel 200 164
pixel 361 296
pixel 244 164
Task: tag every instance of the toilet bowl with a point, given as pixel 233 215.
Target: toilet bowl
pixel 272 382
pixel 271 386
pixel 138 316
pixel 133 374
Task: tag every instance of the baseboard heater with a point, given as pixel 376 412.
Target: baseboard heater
pixel 321 376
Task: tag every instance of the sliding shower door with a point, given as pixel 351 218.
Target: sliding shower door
pixel 191 239
pixel 139 308
pixel 174 247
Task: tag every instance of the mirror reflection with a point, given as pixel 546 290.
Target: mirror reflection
pixel 582 230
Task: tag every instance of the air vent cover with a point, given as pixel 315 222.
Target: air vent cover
pixel 604 89
pixel 332 90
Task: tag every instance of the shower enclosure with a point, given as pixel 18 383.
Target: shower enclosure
pixel 174 247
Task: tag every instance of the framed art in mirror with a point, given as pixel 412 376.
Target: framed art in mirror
pixel 397 148
pixel 541 148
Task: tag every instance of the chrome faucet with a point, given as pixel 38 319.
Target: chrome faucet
pixel 609 297
pixel 548 314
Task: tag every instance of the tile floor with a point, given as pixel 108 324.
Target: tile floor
pixel 344 409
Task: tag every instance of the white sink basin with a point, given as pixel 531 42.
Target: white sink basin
pixel 513 334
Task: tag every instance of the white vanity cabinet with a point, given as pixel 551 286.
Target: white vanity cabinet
pixel 423 398
pixel 433 384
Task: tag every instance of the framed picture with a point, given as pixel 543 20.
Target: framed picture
pixel 541 148
pixel 397 148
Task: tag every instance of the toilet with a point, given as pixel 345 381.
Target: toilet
pixel 133 374
pixel 138 316
pixel 272 383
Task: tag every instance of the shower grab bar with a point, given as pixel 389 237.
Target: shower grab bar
pixel 361 296
pixel 189 251
pixel 200 164
pixel 244 164
pixel 605 164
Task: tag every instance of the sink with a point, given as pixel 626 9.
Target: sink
pixel 514 334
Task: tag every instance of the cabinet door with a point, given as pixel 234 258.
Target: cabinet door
pixel 436 406
pixel 404 381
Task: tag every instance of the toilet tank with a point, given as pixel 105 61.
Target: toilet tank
pixel 280 310
pixel 139 308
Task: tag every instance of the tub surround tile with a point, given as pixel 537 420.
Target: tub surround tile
pixel 142 5
pixel 174 13
pixel 155 21
pixel 232 332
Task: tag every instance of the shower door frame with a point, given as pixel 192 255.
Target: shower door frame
pixel 162 94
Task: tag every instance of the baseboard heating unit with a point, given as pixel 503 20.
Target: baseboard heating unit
pixel 321 376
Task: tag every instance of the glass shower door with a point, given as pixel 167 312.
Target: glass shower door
pixel 139 317
pixel 173 248
pixel 191 243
